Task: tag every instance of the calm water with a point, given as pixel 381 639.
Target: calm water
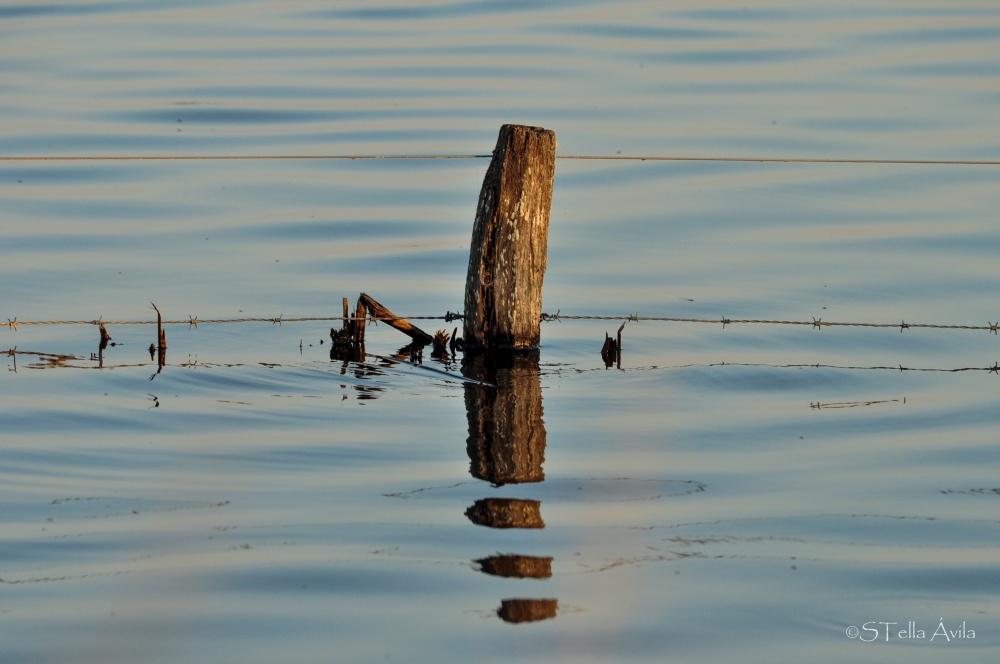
pixel 744 493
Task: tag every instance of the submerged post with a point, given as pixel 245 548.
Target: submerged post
pixel 503 289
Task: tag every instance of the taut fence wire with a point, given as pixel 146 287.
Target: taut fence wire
pixel 815 323
pixel 568 157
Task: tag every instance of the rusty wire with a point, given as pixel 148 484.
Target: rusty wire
pixel 194 321
pixel 815 323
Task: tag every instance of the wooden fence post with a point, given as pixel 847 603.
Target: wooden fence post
pixel 503 289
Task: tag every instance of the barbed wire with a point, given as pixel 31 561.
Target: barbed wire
pixel 815 323
pixel 575 157
pixel 194 321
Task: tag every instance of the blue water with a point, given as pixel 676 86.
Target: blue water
pixel 746 492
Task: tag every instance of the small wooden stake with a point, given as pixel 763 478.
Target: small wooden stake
pixel 105 338
pixel 503 289
pixel 161 336
pixel 161 350
pixel 359 323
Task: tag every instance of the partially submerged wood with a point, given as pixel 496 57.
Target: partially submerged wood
pixel 160 334
pixel 611 352
pixel 105 337
pixel 161 349
pixel 348 343
pixel 349 340
pixel 507 258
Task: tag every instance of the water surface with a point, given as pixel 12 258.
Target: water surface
pixel 740 491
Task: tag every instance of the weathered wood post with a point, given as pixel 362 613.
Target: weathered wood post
pixel 503 289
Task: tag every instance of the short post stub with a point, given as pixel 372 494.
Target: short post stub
pixel 503 289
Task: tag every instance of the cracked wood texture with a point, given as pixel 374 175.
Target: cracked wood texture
pixel 503 289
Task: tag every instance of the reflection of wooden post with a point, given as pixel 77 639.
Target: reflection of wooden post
pixel 506 513
pixel 506 441
pixel 527 610
pixel 506 445
pixel 503 289
pixel 515 566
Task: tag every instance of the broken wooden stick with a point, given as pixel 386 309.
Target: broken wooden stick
pixel 378 311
